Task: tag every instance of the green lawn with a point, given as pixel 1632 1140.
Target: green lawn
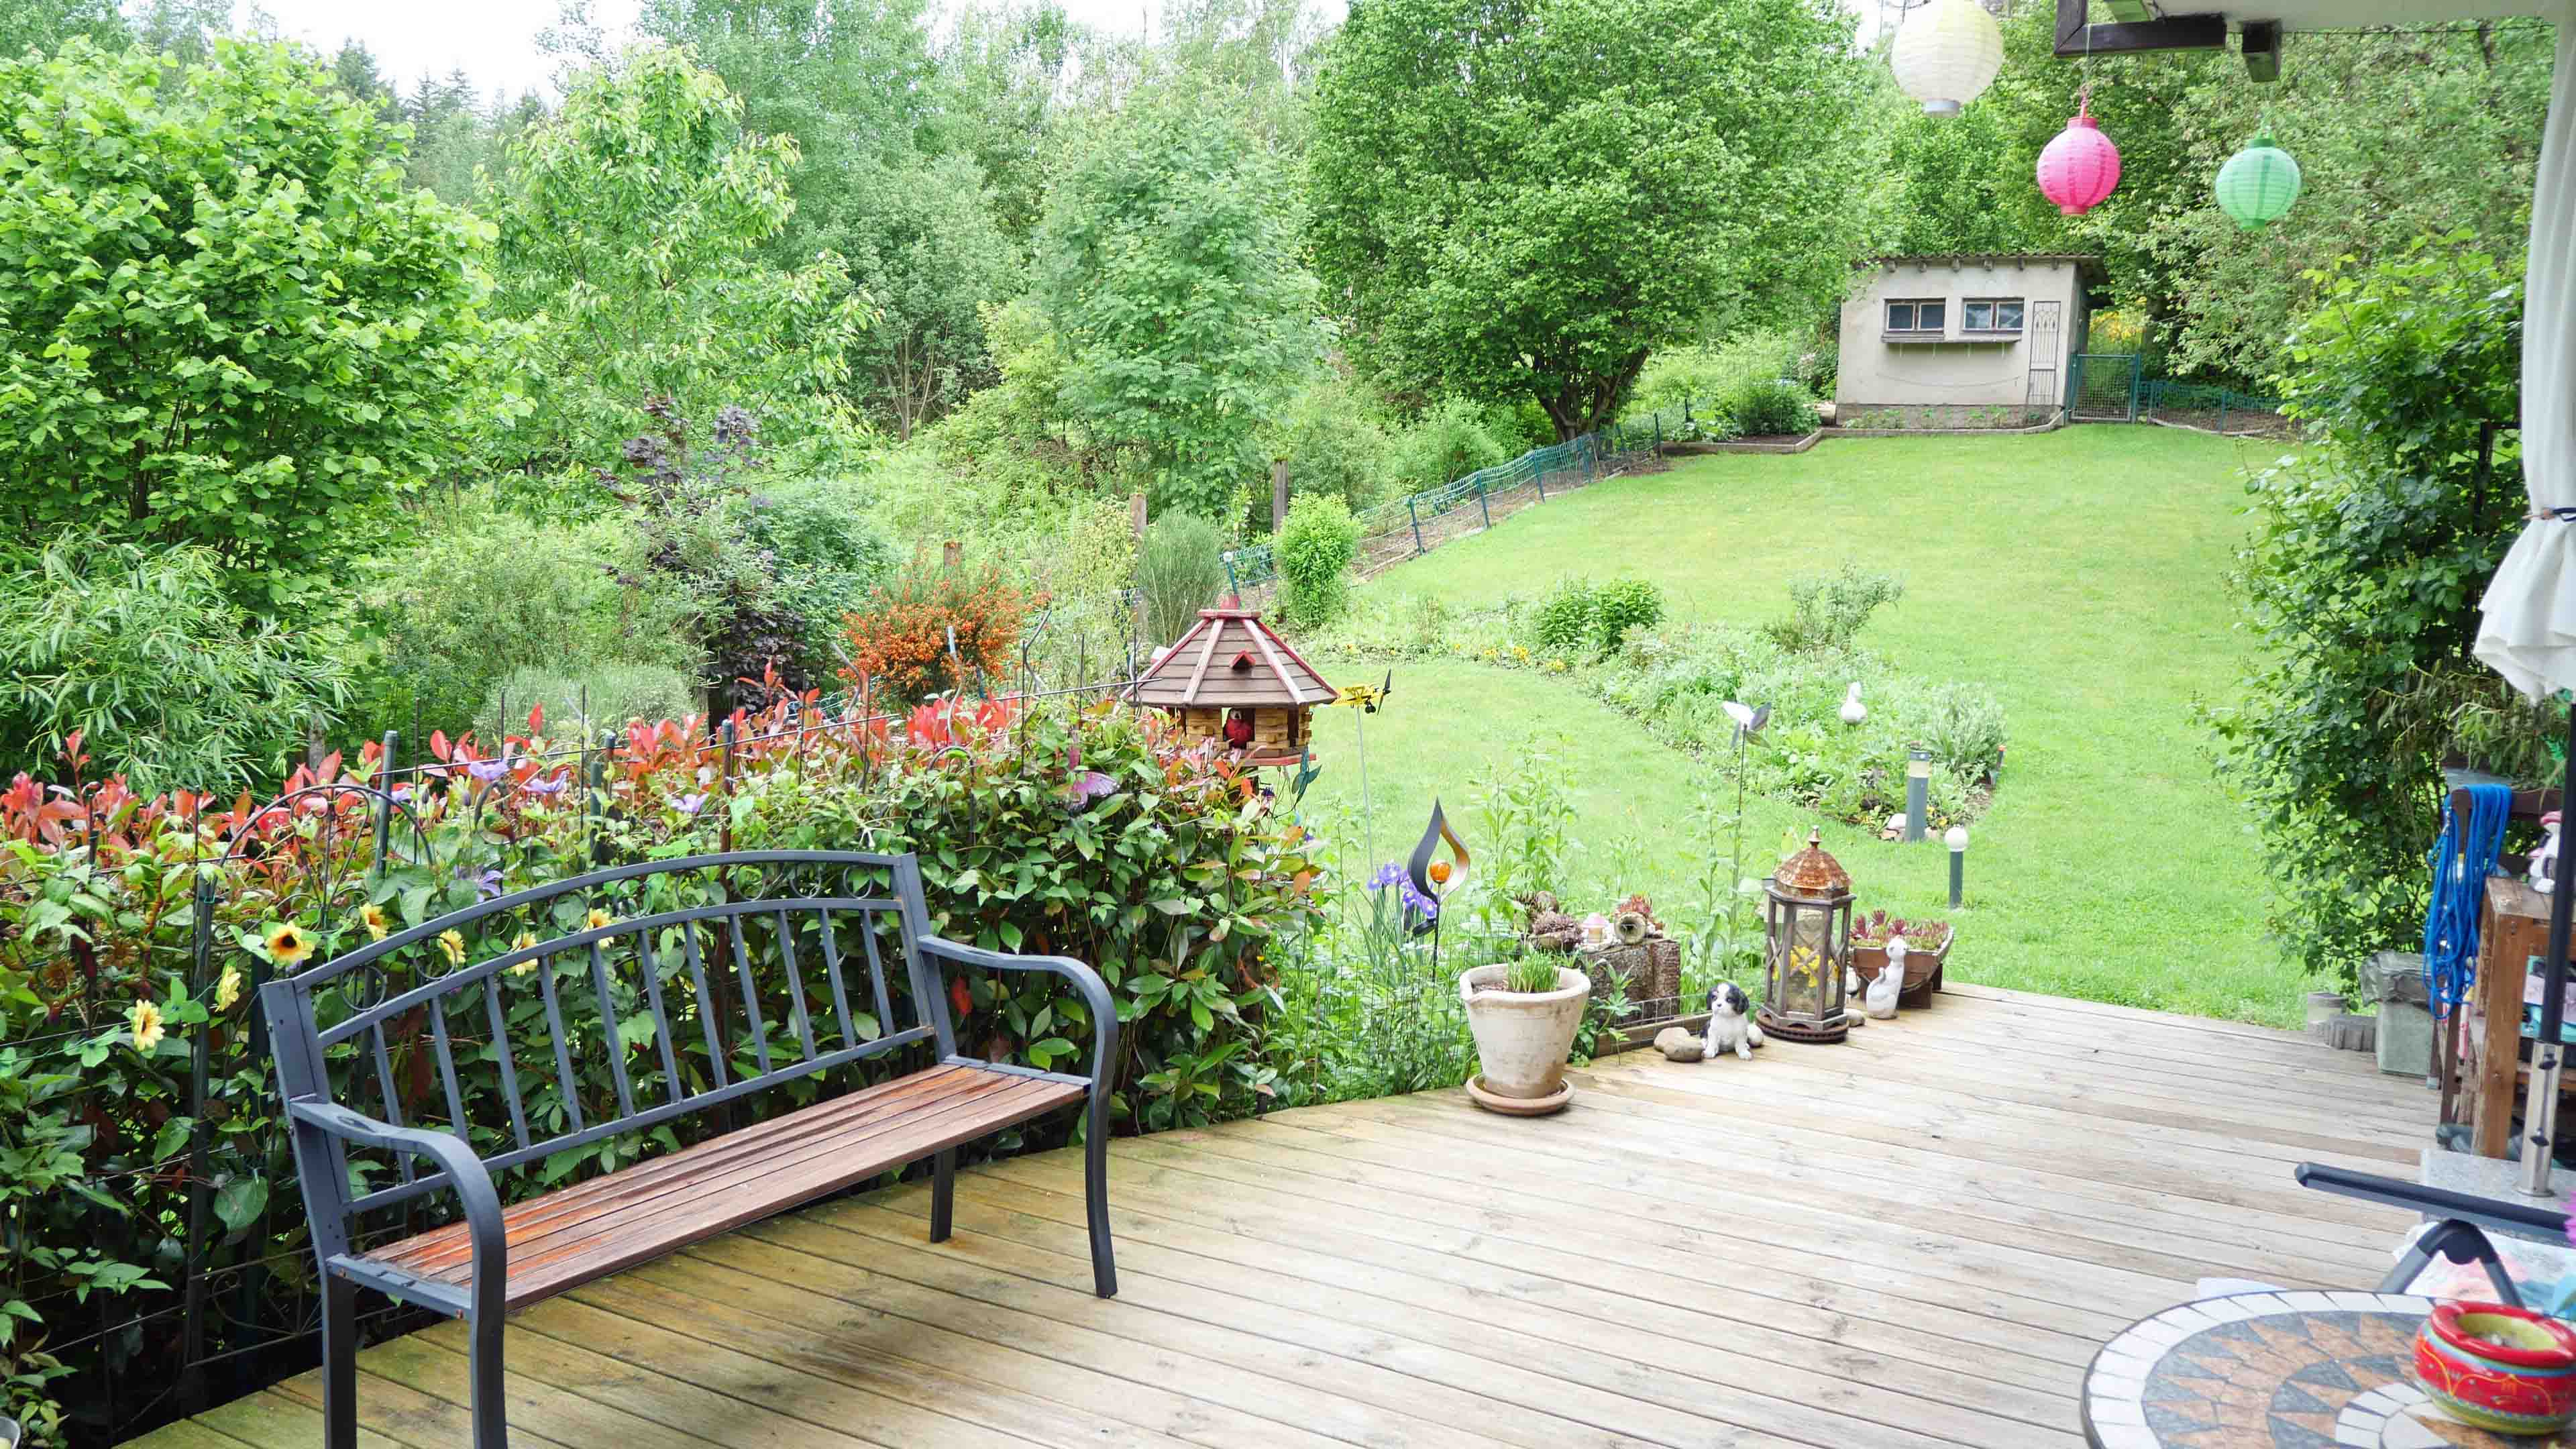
pixel 2078 574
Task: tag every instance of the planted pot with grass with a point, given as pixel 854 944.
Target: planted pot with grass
pixel 1524 1014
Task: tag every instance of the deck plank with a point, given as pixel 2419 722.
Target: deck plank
pixel 1911 1242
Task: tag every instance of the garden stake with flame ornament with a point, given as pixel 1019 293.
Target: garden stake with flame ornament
pixel 1433 878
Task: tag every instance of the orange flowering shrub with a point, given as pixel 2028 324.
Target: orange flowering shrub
pixel 933 630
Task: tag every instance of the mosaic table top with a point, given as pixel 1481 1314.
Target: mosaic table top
pixel 2275 1371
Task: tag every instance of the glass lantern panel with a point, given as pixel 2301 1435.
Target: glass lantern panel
pixel 1810 961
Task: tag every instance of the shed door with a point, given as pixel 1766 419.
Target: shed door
pixel 2047 324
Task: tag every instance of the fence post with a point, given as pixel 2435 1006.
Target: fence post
pixel 1540 473
pixel 1278 495
pixel 1233 589
pixel 1411 512
pixel 1482 511
pixel 1136 526
pixel 192 1342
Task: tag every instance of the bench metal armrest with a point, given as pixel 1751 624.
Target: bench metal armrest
pixel 465 1172
pixel 1086 983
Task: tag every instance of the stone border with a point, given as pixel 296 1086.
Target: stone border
pixel 2215 433
pixel 1697 449
pixel 2052 425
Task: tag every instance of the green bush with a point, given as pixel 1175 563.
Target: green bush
pixel 1180 570
pixel 1448 442
pixel 1621 606
pixel 1315 551
pixel 141 652
pixel 1566 620
pixel 1332 447
pixel 1826 611
pixel 2371 548
pixel 581 700
pixel 1769 407
pixel 823 555
pixel 485 592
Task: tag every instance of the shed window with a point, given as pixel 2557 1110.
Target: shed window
pixel 1918 314
pixel 1990 314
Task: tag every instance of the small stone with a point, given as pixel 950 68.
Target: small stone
pixel 1680 1044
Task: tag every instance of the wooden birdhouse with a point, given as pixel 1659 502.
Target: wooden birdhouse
pixel 1231 680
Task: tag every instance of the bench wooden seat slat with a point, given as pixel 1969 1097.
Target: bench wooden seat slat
pixel 593 1228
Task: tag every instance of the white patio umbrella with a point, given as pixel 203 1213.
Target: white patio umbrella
pixel 2528 633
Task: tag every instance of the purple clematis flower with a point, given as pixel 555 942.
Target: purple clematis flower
pixel 546 787
pixel 691 804
pixel 488 884
pixel 488 771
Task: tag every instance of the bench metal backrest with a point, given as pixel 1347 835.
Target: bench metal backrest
pixel 714 994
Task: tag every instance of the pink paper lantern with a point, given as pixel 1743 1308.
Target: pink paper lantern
pixel 2080 167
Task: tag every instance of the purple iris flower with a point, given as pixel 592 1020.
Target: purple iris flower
pixel 1416 902
pixel 1387 875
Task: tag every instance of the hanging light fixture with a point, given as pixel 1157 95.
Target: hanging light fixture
pixel 2081 166
pixel 2258 184
pixel 1946 54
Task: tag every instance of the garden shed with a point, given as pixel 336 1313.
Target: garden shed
pixel 1980 339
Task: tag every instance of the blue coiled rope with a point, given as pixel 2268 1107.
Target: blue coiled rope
pixel 2462 860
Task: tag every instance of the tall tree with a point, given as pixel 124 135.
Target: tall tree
pixel 633 236
pixel 1524 198
pixel 1168 265
pixel 224 319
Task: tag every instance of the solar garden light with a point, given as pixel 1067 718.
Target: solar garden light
pixel 1918 792
pixel 1957 840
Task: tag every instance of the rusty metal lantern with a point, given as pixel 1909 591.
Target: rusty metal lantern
pixel 1806 946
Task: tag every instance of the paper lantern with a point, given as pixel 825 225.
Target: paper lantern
pixel 1946 54
pixel 2259 183
pixel 2080 167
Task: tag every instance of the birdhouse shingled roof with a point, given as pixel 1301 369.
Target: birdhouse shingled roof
pixel 1230 660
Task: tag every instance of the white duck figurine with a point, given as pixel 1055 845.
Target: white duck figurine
pixel 1853 711
pixel 1880 1000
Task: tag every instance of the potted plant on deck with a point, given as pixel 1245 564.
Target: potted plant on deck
pixel 1524 1014
pixel 1927 945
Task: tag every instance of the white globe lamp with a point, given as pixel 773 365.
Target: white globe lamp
pixel 1946 54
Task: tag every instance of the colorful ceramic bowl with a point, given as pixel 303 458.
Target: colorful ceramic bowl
pixel 2505 1369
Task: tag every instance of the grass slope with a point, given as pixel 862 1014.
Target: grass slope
pixel 2079 574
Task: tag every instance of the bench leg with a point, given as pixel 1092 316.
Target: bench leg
pixel 339 1362
pixel 1095 1204
pixel 483 1361
pixel 943 1193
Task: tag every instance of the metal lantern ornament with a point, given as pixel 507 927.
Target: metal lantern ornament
pixel 1946 54
pixel 2259 184
pixel 2079 168
pixel 1806 946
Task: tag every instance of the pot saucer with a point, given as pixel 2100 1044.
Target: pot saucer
pixel 1519 1106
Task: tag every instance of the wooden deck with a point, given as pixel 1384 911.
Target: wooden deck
pixel 1917 1239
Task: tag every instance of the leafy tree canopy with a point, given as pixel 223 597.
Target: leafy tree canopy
pixel 1168 265
pixel 633 231
pixel 1526 198
pixel 224 319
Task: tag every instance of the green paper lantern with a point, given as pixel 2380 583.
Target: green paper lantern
pixel 2258 184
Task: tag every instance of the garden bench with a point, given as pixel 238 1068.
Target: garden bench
pixel 496 1259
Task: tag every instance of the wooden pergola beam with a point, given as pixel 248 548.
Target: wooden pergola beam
pixel 2078 36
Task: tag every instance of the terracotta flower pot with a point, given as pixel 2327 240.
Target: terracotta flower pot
pixel 2505 1369
pixel 1523 1038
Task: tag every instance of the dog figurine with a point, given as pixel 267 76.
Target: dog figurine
pixel 1731 1027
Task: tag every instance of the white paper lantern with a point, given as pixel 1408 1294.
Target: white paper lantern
pixel 1946 54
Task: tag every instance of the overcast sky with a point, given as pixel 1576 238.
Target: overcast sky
pixel 495 41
